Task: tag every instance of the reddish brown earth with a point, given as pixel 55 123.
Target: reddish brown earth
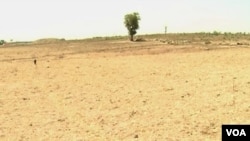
pixel 122 91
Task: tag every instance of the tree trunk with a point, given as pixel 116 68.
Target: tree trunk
pixel 131 38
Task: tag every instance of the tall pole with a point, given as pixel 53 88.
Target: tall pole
pixel 166 30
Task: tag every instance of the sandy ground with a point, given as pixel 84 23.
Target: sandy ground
pixel 170 96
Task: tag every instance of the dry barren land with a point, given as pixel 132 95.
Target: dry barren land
pixel 116 90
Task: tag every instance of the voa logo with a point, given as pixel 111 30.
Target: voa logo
pixel 236 132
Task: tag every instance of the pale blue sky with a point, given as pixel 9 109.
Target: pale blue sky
pixel 76 19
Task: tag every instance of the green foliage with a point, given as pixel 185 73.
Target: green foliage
pixel 2 42
pixel 216 33
pixel 131 22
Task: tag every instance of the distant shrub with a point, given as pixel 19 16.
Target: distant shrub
pixel 207 42
pixel 228 33
pixel 140 40
pixel 50 40
pixel 163 41
pixel 242 43
pixel 216 33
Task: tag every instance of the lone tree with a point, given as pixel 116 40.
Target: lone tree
pixel 2 42
pixel 131 22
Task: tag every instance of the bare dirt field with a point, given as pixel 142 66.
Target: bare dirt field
pixel 116 90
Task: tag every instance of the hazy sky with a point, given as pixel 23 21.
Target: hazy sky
pixel 33 19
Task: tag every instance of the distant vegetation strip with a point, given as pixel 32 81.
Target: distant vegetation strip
pixel 199 36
